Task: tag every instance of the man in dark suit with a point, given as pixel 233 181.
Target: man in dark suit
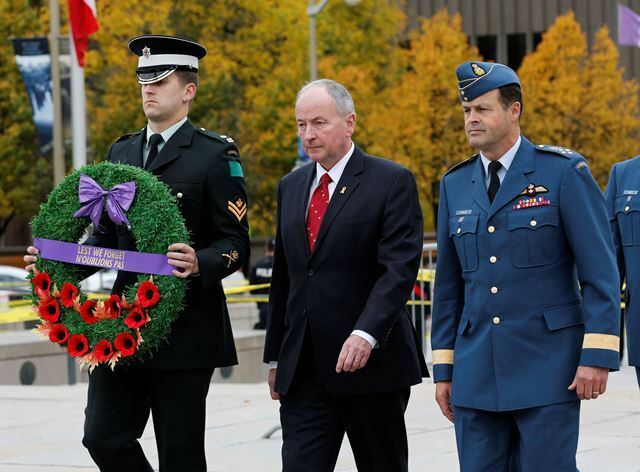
pixel 204 173
pixel 342 350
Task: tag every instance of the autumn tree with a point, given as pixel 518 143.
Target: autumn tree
pixel 419 122
pixel 24 175
pixel 579 99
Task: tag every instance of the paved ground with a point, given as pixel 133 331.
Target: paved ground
pixel 41 428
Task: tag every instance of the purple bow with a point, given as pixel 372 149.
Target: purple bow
pixel 119 200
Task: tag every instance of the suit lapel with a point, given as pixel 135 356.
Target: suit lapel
pixel 301 198
pixel 345 187
pixel 172 149
pixel 479 186
pixel 515 181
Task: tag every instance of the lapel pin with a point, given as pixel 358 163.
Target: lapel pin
pixel 344 189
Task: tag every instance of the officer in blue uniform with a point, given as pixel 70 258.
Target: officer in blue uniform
pixel 526 312
pixel 623 203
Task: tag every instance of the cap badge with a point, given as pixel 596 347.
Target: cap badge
pixel 146 52
pixel 479 71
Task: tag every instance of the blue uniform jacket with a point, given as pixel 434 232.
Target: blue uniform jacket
pixel 526 288
pixel 623 203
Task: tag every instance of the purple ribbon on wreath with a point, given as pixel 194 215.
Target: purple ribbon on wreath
pixel 119 200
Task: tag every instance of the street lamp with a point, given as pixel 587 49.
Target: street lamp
pixel 312 11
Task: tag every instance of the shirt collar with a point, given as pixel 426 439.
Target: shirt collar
pixel 506 160
pixel 336 171
pixel 167 133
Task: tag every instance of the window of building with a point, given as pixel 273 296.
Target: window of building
pixel 537 37
pixel 488 47
pixel 516 49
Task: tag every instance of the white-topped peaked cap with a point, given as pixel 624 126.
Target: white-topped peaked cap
pixel 159 56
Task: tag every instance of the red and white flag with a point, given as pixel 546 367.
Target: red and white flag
pixel 83 17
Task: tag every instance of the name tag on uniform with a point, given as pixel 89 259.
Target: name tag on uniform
pixel 630 192
pixel 463 212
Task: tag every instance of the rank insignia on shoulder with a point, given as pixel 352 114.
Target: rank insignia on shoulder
pixel 531 202
pixel 232 257
pixel 556 149
pixel 532 190
pixel 581 164
pixel 237 208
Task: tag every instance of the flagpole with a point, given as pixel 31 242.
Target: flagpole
pixel 54 46
pixel 78 109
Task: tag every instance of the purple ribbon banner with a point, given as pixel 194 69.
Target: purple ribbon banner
pixel 105 258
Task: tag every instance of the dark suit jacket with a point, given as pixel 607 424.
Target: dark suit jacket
pixel 196 164
pixel 359 276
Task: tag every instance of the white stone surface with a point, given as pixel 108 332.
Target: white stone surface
pixel 41 430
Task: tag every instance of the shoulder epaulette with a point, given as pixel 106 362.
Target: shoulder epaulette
pixel 218 137
pixel 559 150
pixel 126 137
pixel 462 164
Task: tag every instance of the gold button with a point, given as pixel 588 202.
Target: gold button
pixel 533 223
pixel 494 289
pixel 179 194
pixel 491 229
pixel 496 320
pixel 626 208
pixel 493 259
pixel 458 231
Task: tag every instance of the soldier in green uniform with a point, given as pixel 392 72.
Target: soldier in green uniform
pixel 203 171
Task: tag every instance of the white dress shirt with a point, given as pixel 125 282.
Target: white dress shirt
pixel 505 160
pixel 166 135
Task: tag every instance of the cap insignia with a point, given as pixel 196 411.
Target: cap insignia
pixel 479 71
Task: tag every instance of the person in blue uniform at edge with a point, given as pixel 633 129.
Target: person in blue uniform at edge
pixel 203 171
pixel 623 204
pixel 526 304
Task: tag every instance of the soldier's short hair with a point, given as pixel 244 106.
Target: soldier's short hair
pixel 187 77
pixel 510 94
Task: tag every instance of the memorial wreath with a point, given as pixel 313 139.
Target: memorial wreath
pixel 120 328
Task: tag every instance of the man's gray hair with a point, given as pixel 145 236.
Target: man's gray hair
pixel 338 93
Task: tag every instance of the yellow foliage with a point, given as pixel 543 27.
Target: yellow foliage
pixel 405 90
pixel 578 99
pixel 24 175
pixel 419 122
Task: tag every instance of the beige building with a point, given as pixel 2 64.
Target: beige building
pixel 506 30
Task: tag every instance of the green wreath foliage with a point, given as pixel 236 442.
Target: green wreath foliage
pixel 156 223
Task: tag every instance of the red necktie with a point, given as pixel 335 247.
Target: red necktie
pixel 317 209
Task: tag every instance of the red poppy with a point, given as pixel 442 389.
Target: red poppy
pixel 136 318
pixel 42 284
pixel 148 294
pixel 87 311
pixel 103 350
pixel 58 334
pixel 49 309
pixel 112 306
pixel 125 343
pixel 78 345
pixel 68 294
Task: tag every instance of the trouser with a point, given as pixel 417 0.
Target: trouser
pixel 118 407
pixel 314 423
pixel 529 440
